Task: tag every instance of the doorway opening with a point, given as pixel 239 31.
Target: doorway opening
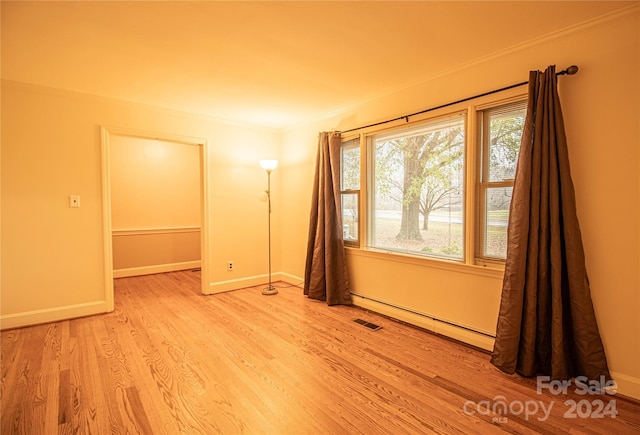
pixel 142 236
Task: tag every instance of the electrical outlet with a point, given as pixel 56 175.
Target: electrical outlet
pixel 230 266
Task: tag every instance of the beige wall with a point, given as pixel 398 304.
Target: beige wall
pixel 53 255
pixel 155 205
pixel 602 113
pixel 154 184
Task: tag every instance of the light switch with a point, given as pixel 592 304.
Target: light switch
pixel 74 201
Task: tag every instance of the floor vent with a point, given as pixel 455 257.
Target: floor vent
pixel 369 325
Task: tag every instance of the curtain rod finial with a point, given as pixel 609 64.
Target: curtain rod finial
pixel 573 69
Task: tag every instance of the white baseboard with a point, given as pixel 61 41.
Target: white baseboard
pixel 161 268
pixel 57 314
pixel 459 333
pixel 236 284
pixel 291 279
pixel 627 385
pixel 123 232
pixel 252 281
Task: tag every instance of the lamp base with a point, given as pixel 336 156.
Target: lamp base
pixel 268 291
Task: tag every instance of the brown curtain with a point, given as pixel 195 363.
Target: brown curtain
pixel 546 324
pixel 325 275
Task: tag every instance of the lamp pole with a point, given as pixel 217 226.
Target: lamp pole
pixel 269 166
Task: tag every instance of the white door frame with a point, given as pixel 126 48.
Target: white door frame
pixel 106 133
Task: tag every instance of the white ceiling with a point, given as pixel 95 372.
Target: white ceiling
pixel 267 63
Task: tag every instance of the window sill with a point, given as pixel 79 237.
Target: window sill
pixel 491 271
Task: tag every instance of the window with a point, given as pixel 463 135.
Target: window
pixel 416 200
pixel 501 133
pixel 350 191
pixel 421 195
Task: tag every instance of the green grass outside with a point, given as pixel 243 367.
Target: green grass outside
pixel 441 239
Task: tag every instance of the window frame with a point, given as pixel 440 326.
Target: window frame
pixel 346 142
pixel 471 262
pixel 428 123
pixel 483 177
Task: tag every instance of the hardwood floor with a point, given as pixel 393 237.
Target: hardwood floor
pixel 170 361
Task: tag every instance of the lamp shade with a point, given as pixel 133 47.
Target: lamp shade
pixel 269 165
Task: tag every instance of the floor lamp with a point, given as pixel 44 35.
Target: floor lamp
pixel 269 165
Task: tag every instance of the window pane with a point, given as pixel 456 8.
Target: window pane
pixel 350 165
pixel 497 217
pixel 350 217
pixel 505 133
pixel 417 196
pixel 501 138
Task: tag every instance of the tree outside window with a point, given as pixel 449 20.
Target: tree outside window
pixel 417 196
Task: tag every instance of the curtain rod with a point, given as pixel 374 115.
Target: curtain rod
pixel 573 69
